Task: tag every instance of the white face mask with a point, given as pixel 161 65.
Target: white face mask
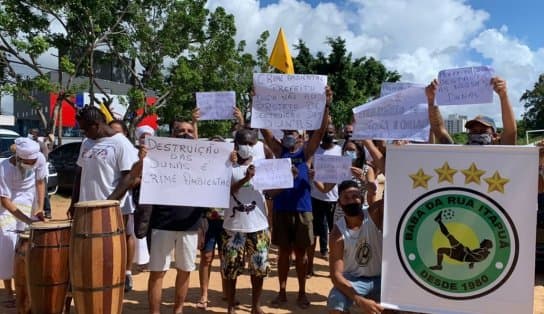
pixel 27 166
pixel 245 151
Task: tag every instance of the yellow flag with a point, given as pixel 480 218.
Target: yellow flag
pixel 106 112
pixel 281 57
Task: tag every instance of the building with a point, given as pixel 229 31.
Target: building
pixel 455 123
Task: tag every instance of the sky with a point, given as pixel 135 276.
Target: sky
pixel 417 38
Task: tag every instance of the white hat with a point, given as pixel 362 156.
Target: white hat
pixel 26 148
pixel 144 129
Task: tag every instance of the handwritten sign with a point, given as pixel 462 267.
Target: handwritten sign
pixel 400 116
pixel 332 169
pixel 273 174
pixel 393 87
pixel 465 86
pixel 288 102
pixel 186 173
pixel 216 105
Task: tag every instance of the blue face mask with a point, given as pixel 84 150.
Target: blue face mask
pixel 351 154
pixel 289 141
pixel 480 139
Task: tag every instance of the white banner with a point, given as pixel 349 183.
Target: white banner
pixel 393 87
pixel 463 86
pixel 216 105
pixel 459 229
pixel 288 101
pixel 332 169
pixel 186 173
pixel 403 115
pixel 272 174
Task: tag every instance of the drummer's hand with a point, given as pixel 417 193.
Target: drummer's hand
pixel 70 212
pixel 39 216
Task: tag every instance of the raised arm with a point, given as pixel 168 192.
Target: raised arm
pixel 435 118
pixel 317 135
pixel 195 115
pixel 272 142
pixel 509 133
pixel 377 157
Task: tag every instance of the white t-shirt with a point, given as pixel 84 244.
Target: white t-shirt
pixel 20 188
pixel 102 162
pixel 332 195
pixel 252 221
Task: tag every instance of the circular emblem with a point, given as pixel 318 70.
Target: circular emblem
pixel 457 243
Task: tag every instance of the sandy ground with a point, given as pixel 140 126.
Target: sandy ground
pixel 317 287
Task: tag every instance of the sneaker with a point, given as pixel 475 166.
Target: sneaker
pixel 128 283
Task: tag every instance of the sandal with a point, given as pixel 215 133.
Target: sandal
pixel 202 304
pixel 303 303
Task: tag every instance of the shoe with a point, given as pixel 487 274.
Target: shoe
pixel 128 283
pixel 48 215
pixel 325 256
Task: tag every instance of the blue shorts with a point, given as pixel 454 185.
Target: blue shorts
pixel 213 235
pixel 368 287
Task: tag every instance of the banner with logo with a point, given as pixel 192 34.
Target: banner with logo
pixel 459 229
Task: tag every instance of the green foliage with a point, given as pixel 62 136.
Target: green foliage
pixel 534 106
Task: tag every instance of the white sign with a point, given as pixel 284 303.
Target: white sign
pixel 393 87
pixel 216 105
pixel 186 172
pixel 465 86
pixel 332 169
pixel 459 229
pixel 288 101
pixel 403 115
pixel 273 174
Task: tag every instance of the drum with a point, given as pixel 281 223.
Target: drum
pixel 47 265
pixel 19 273
pixel 98 257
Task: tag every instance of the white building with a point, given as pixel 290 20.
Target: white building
pixel 456 123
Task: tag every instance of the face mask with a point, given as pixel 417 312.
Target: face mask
pixel 289 141
pixel 353 209
pixel 480 139
pixel 347 136
pixel 26 166
pixel 186 136
pixel 245 151
pixel 351 154
pixel 327 138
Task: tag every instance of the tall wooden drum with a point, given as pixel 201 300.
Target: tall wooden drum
pixel 98 257
pixel 19 274
pixel 47 265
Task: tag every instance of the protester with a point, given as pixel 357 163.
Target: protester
pixel 356 253
pixel 246 226
pixel 22 190
pixel 127 210
pixel 292 217
pixel 481 129
pixel 323 203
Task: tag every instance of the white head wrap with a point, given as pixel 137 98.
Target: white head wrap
pixel 26 148
pixel 144 129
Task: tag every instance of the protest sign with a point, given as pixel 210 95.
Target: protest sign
pixel 459 229
pixel 272 174
pixel 393 87
pixel 332 169
pixel 216 105
pixel 463 86
pixel 186 173
pixel 400 116
pixel 288 102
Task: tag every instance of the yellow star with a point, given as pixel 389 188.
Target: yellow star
pixel 420 179
pixel 445 173
pixel 473 174
pixel 496 183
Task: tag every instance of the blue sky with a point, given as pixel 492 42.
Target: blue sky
pixel 417 38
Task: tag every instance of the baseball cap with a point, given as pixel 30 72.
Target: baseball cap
pixel 485 120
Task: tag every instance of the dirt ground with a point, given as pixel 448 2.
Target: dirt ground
pixel 317 287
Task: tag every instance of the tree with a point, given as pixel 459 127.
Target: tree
pixel 534 106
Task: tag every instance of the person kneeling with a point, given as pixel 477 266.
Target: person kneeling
pixel 356 253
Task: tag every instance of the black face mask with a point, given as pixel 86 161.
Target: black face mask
pixel 186 136
pixel 347 136
pixel 327 138
pixel 353 209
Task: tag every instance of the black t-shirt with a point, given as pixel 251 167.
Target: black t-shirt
pixel 176 218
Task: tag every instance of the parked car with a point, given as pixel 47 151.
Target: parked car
pixel 7 138
pixel 64 159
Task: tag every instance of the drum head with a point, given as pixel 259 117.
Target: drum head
pixel 51 224
pixel 102 203
pixel 25 234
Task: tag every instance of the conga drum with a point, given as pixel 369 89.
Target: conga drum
pixel 22 299
pixel 47 265
pixel 97 257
